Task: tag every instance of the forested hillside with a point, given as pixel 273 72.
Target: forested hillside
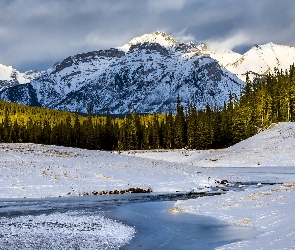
pixel 264 101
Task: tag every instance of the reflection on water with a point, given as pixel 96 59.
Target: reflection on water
pixel 155 227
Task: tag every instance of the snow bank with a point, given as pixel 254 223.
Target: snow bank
pixel 270 210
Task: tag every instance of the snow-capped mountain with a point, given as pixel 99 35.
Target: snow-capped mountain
pixel 259 60
pixel 263 59
pixel 145 74
pixel 10 77
pixel 161 38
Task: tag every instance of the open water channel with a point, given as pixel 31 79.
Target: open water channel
pixel 107 222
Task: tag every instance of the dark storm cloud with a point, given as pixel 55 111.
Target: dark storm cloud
pixel 36 33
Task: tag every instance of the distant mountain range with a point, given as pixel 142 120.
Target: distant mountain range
pixel 260 59
pixel 145 74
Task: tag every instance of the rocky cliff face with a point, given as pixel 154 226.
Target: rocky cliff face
pixel 146 74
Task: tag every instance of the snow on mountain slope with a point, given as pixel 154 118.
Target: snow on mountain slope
pixel 263 59
pixel 10 77
pixel 28 76
pixel 224 57
pixel 147 77
pixel 158 37
pixel 259 60
pixel 147 74
pixel 71 74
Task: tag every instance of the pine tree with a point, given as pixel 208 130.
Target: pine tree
pixel 155 132
pixel 109 137
pixel 46 132
pixel 67 132
pixel 15 132
pixel 88 132
pixel 180 126
pixel 192 127
pixel 77 132
pixel 6 126
pixel 168 131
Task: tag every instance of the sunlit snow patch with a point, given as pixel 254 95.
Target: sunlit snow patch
pixel 71 230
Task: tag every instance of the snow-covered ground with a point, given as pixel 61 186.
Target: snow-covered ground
pixel 35 171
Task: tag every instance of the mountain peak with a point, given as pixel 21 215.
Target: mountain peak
pixel 256 46
pixel 159 37
pixel 267 45
pixel 204 47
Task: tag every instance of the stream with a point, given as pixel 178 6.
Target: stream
pixel 102 222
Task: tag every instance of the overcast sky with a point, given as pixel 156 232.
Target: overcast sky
pixel 34 34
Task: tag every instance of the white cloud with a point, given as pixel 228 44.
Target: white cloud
pixel 183 37
pixel 227 43
pixel 96 41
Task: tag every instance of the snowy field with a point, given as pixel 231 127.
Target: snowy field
pixel 38 171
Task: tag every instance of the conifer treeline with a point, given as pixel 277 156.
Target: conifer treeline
pixel 263 102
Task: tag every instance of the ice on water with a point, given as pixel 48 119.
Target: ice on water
pixel 70 230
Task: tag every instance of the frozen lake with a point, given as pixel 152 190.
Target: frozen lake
pixel 109 222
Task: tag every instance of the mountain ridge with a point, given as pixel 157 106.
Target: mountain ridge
pixel 148 78
pixel 260 59
pixel 145 74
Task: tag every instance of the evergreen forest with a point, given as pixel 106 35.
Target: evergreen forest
pixel 265 100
